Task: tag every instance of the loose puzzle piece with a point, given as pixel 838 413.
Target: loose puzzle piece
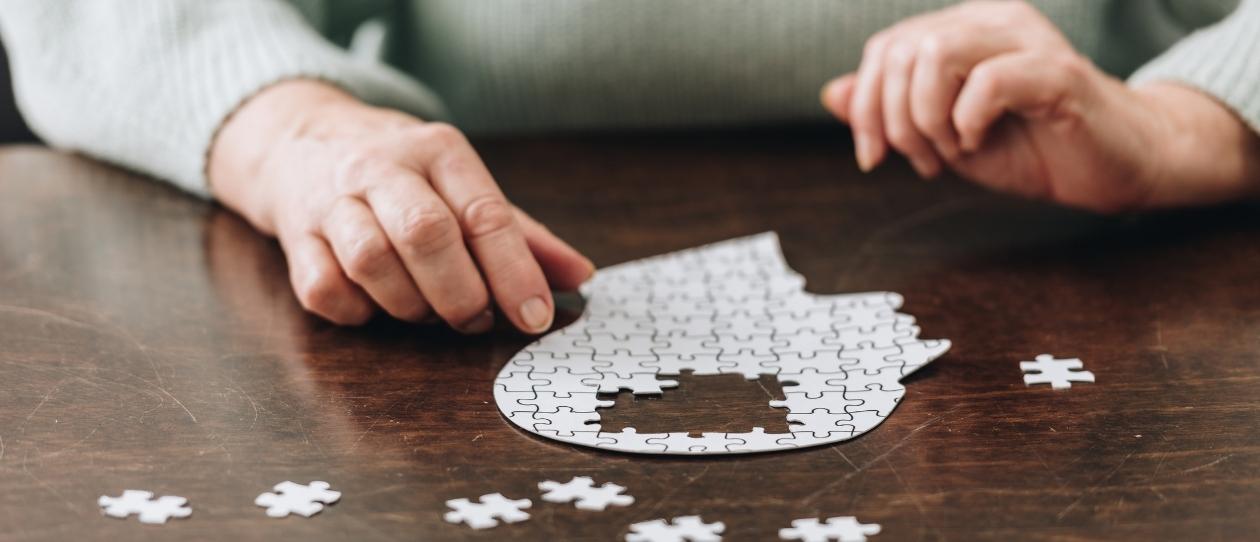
pixel 837 529
pixel 142 503
pixel 679 529
pixel 1059 373
pixel 293 498
pixel 492 509
pixel 582 490
pixel 732 307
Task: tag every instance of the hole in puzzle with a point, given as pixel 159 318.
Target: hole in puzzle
pixel 726 403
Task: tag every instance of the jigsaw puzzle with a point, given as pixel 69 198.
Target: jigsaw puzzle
pixel 1059 373
pixel 732 307
pixel 294 498
pixel 142 503
pixel 492 509
pixel 837 529
pixel 582 492
pixel 679 529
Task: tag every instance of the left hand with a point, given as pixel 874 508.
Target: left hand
pixel 993 91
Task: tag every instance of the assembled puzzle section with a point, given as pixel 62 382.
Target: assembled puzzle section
pixel 732 307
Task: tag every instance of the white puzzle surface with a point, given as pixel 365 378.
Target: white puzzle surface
pixel 729 307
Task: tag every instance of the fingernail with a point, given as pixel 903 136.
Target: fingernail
pixel 536 315
pixel 478 325
pixel 590 270
pixel 863 149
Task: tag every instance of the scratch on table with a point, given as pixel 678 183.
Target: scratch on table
pixel 810 499
pixel 675 489
pixel 926 215
pixel 70 447
pixel 1092 488
pixel 1159 344
pixel 1 447
pixel 253 404
pixel 178 402
pixel 845 458
pixel 1206 465
pixel 77 510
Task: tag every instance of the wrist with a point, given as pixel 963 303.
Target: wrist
pixel 1206 153
pixel 250 137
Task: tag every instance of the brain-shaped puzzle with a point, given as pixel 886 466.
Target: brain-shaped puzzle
pixel 730 307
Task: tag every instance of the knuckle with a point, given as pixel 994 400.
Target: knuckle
pixel 321 292
pixel 441 134
pixel 358 165
pixel 934 49
pixel 428 228
pixel 902 137
pixel 367 256
pixel 487 215
pixel 875 45
pixel 900 54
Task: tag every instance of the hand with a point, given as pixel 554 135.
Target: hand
pixel 993 91
pixel 376 209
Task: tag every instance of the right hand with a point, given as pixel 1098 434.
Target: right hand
pixel 376 209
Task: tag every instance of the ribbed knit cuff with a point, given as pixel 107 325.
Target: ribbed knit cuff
pixel 1222 60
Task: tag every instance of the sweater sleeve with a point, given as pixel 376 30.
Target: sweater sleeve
pixel 1222 60
pixel 146 83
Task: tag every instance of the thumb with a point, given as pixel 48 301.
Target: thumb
pixel 564 266
pixel 837 94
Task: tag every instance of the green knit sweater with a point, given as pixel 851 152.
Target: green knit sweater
pixel 146 83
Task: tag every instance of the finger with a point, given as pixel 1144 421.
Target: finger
pixel 865 116
pixel 367 257
pixel 837 94
pixel 564 266
pixel 1027 83
pixel 426 236
pixel 492 232
pixel 319 284
pixel 943 61
pixel 899 127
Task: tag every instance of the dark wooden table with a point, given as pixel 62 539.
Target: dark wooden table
pixel 150 341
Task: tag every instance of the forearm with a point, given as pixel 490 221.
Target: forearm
pixel 147 83
pixel 1209 153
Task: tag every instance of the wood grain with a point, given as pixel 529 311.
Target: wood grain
pixel 149 341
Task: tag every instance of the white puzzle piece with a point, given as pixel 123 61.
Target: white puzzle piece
pixel 679 529
pixel 492 509
pixel 151 511
pixel 294 498
pixel 1059 373
pixel 582 492
pixel 732 307
pixel 837 529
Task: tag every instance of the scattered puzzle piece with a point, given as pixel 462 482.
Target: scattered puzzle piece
pixel 293 498
pixel 492 509
pixel 679 529
pixel 837 529
pixel 582 490
pixel 1059 373
pixel 151 511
